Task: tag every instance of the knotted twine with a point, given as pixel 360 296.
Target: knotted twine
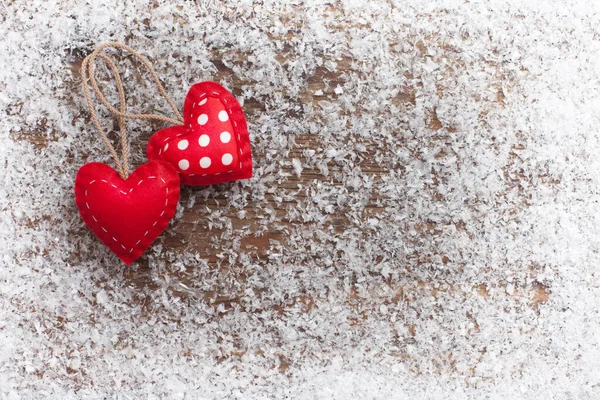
pixel 88 74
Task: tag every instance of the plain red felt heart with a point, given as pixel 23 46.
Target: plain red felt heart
pixel 127 215
pixel 212 146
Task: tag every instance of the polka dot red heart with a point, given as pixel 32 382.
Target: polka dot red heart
pixel 213 145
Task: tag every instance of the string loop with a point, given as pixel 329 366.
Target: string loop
pixel 88 74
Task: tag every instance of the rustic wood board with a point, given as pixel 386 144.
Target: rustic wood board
pixel 195 232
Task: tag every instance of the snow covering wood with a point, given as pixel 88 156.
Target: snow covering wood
pixel 422 221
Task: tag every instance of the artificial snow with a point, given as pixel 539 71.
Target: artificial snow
pixel 443 241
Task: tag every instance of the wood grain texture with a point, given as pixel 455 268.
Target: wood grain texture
pixel 207 221
pixel 192 234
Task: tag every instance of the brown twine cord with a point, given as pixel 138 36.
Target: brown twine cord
pixel 123 172
pixel 87 73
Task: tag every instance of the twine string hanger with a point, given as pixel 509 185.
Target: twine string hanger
pixel 88 74
pixel 122 169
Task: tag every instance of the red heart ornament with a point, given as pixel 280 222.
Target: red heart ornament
pixel 213 145
pixel 127 215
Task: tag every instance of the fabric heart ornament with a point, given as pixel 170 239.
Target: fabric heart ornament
pixel 126 212
pixel 213 145
pixel 127 215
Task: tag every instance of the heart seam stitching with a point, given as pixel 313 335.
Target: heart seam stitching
pixel 130 190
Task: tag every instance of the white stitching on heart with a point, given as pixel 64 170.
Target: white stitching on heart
pixel 155 222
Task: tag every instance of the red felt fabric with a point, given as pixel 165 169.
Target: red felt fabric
pixel 213 145
pixel 127 215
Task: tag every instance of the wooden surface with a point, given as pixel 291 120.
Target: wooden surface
pixel 191 233
pixel 196 232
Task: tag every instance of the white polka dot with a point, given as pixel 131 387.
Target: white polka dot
pixel 184 164
pixel 205 162
pixel 223 116
pixel 225 137
pixel 166 146
pixel 204 140
pixel 226 159
pixel 203 102
pixel 203 119
pixel 183 144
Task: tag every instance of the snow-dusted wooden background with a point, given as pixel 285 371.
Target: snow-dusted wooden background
pixel 421 223
pixel 193 233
